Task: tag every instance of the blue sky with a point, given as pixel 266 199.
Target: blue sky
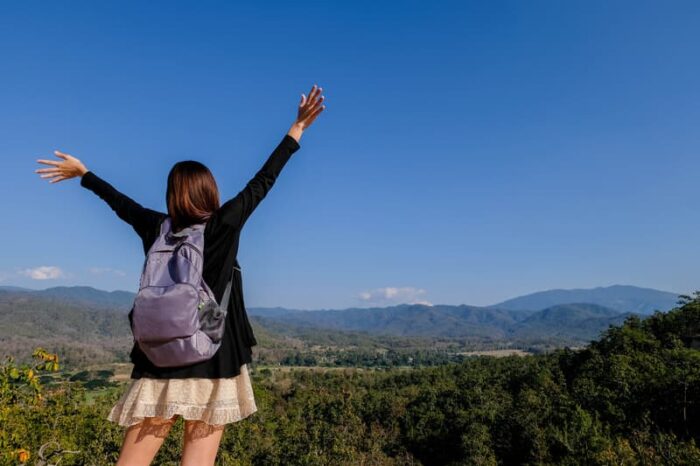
pixel 469 151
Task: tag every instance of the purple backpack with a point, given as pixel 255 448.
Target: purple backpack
pixel 175 318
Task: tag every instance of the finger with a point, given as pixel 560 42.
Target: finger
pixel 319 91
pixel 46 170
pixel 305 101
pixel 50 162
pixel 317 105
pixel 58 179
pixel 50 175
pixel 313 92
pixel 311 113
pixel 310 119
pixel 61 154
pixel 318 99
pixel 313 105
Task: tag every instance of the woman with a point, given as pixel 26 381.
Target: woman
pixel 216 392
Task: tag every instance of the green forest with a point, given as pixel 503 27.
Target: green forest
pixel 631 397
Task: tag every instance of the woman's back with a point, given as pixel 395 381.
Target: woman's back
pixel 221 240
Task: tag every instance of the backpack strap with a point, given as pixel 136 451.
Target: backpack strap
pixel 186 231
pixel 227 292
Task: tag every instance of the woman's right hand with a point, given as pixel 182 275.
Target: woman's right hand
pixel 69 167
pixel 309 108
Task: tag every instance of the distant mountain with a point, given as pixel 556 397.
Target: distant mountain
pixel 621 298
pixel 529 318
pixel 404 320
pixel 81 295
pixel 568 321
pixel 579 322
pixel 80 333
pixel 28 315
pixel 14 288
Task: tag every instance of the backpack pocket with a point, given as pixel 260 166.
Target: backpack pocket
pixel 212 320
pixel 162 313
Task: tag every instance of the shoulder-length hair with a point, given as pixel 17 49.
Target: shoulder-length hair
pixel 192 195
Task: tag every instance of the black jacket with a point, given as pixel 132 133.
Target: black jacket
pixel 221 238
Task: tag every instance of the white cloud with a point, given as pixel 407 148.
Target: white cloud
pixel 426 303
pixel 394 295
pixel 103 270
pixel 44 272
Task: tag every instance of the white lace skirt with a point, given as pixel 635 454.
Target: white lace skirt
pixel 213 401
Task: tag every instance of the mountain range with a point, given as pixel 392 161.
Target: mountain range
pixel 87 295
pixel 575 322
pixel 569 316
pixel 622 298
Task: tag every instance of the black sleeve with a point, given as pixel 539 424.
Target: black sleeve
pixel 144 221
pixel 236 211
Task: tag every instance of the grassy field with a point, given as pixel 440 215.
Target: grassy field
pixel 497 353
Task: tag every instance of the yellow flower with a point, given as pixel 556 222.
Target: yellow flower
pixel 22 455
pixel 30 374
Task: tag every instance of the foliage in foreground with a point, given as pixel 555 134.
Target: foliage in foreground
pixel 632 397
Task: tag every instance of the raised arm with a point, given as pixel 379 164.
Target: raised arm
pixel 143 220
pixel 236 211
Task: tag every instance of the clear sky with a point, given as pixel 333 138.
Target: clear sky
pixel 469 152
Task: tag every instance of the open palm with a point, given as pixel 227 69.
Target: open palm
pixel 60 170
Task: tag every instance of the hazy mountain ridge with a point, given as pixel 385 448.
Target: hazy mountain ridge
pixel 578 322
pixel 81 333
pixel 405 320
pixel 97 313
pixel 622 298
pixel 568 321
pixel 85 295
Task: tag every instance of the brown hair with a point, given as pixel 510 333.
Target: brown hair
pixel 192 195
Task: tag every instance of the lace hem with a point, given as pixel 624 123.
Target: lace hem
pixel 213 416
pixel 213 401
